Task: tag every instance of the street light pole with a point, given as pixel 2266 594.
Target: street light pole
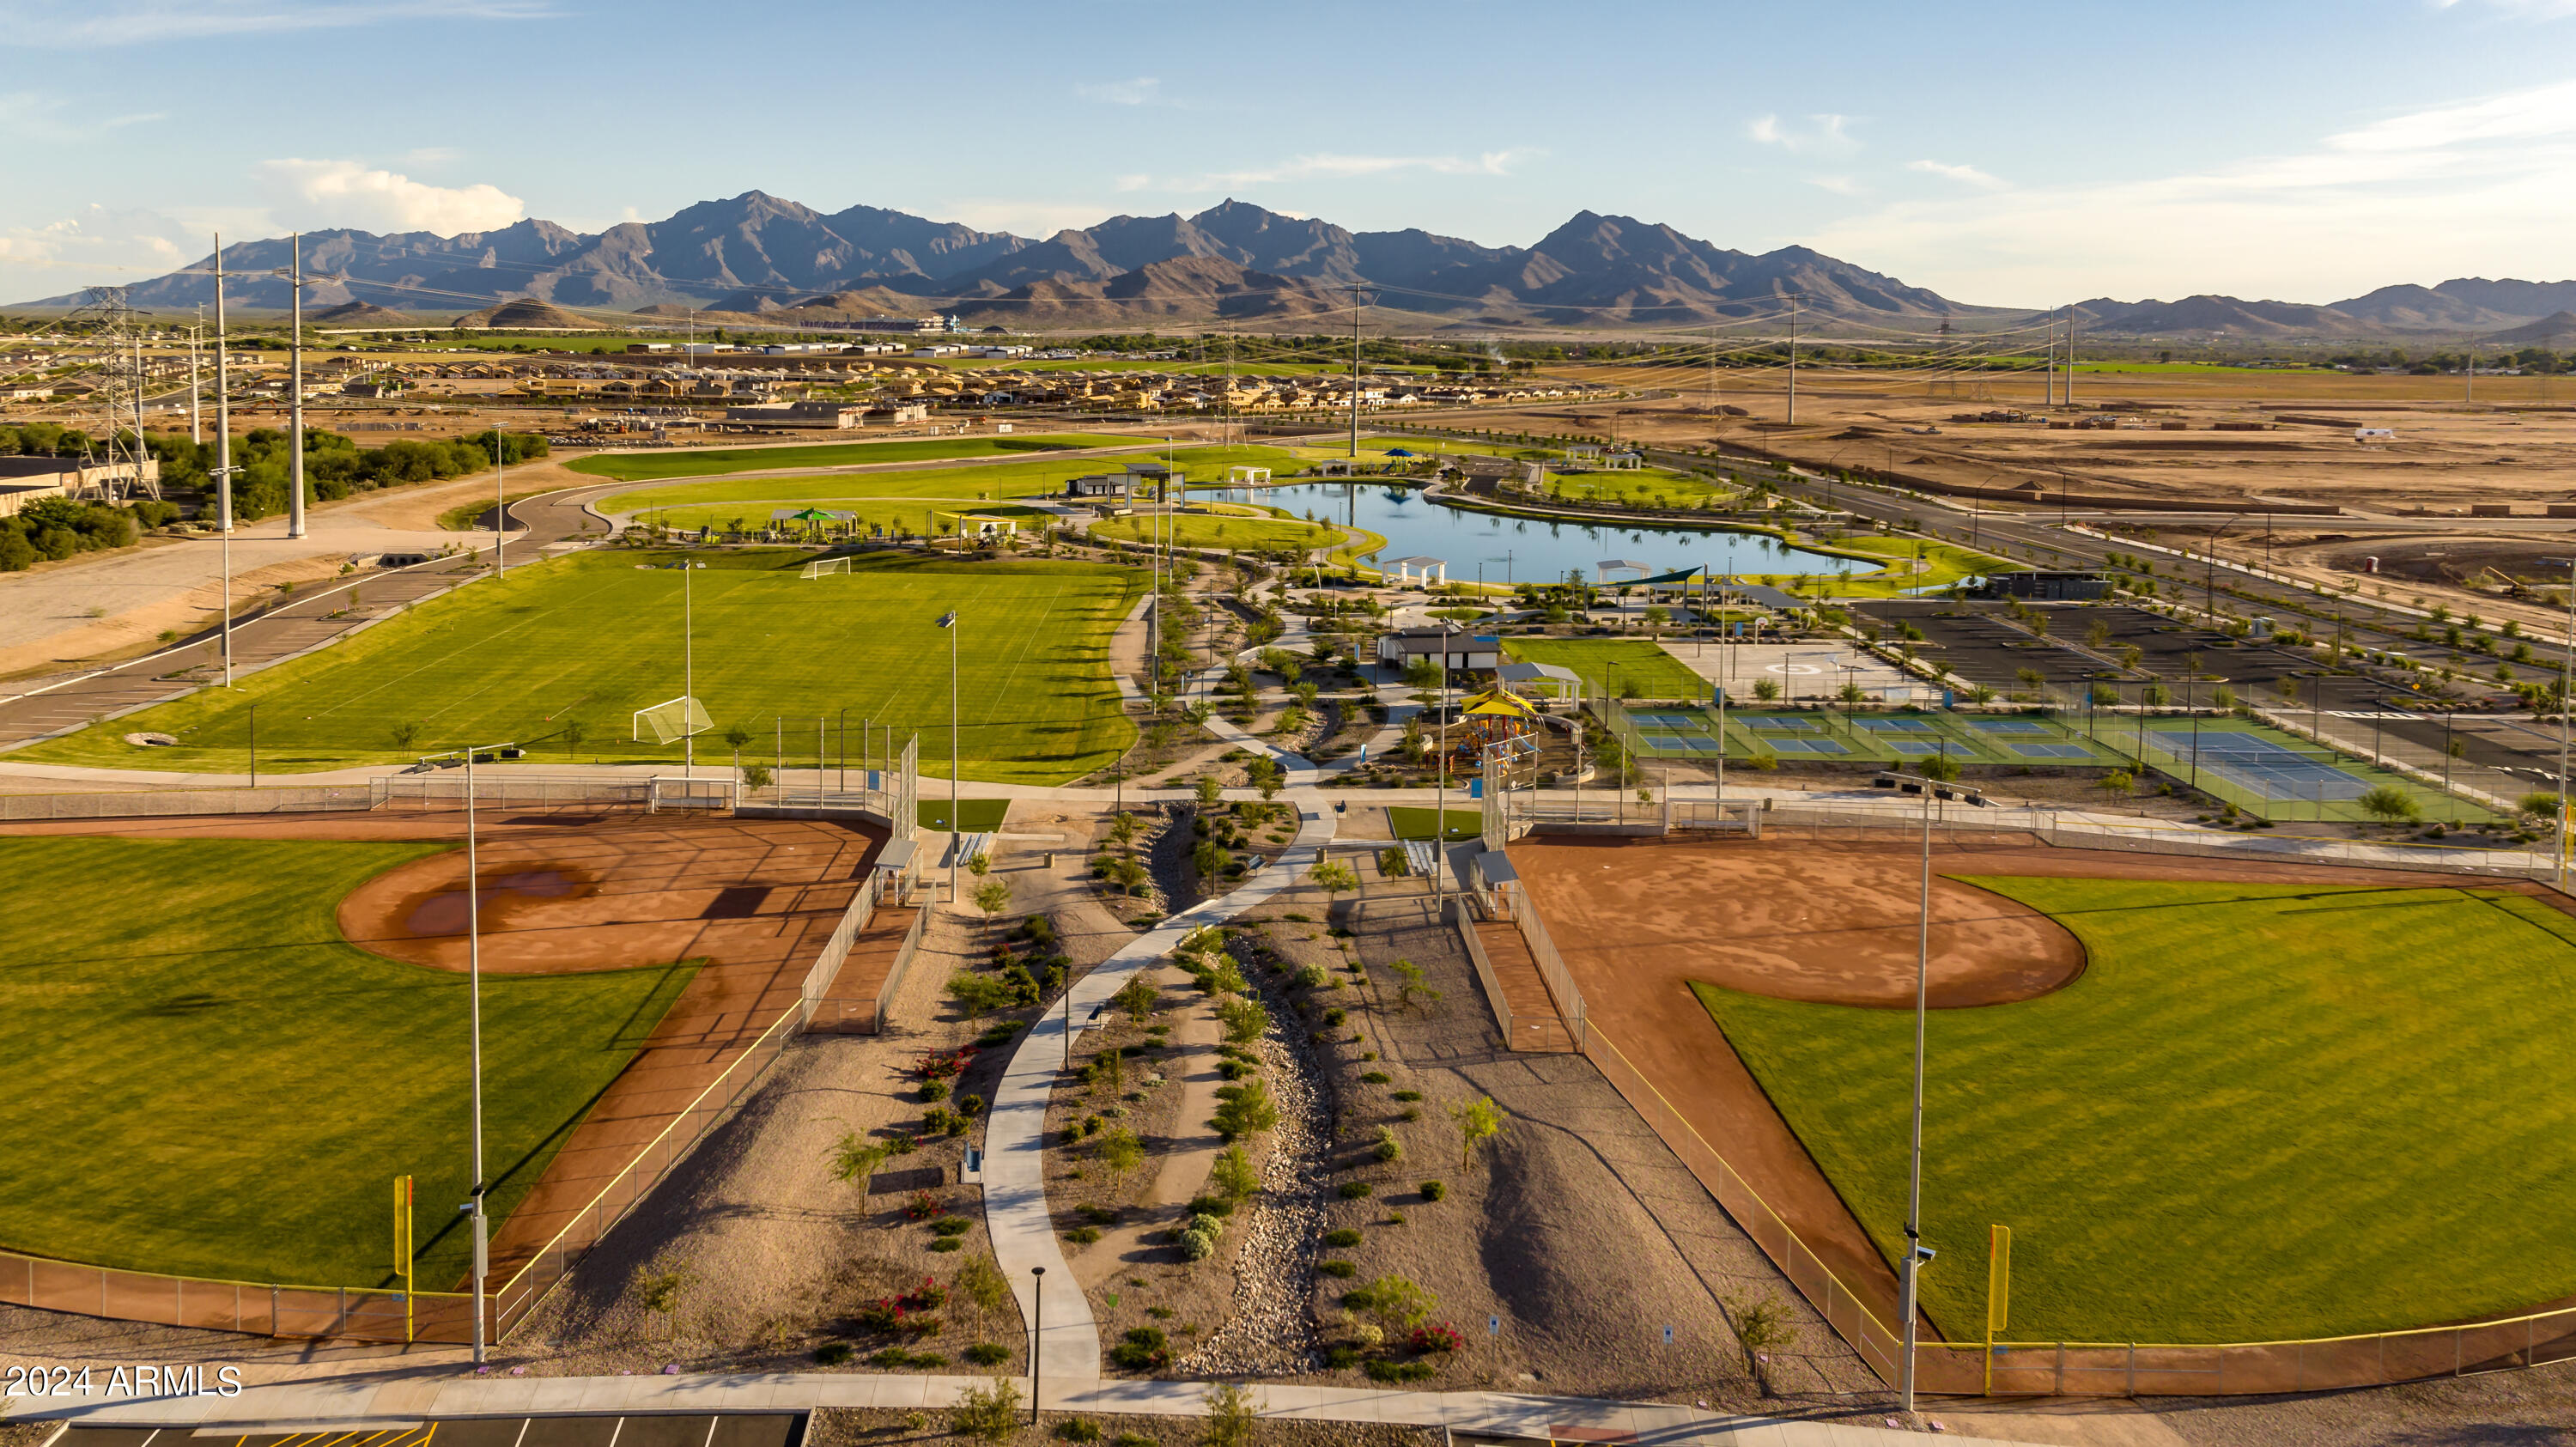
pixel 1914 1252
pixel 1037 1335
pixel 474 1207
pixel 948 621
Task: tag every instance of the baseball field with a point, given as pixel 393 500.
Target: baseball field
pixel 558 656
pixel 207 1079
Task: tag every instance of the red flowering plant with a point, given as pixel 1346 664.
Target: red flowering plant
pixel 946 1064
pixel 923 1206
pixel 1440 1338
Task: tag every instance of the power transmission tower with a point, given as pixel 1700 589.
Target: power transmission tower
pixel 116 466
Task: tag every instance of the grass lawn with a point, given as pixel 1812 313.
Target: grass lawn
pixel 900 519
pixel 205 1079
pixel 660 463
pixel 591 638
pixel 1220 533
pixel 1641 662
pixel 1409 822
pixel 976 816
pixel 1651 487
pixel 1947 565
pixel 2262 1112
pixel 998 480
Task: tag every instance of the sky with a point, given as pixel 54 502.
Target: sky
pixel 2002 154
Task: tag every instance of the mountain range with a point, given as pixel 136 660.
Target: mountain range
pixel 756 255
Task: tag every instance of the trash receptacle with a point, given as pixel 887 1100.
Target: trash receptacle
pixel 1050 858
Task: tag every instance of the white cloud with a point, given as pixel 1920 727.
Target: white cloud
pixel 94 244
pixel 1969 174
pixel 347 193
pixel 88 24
pixel 1134 183
pixel 432 156
pixel 2518 9
pixel 2474 187
pixel 1825 134
pixel 1839 185
pixel 1143 90
pixel 51 117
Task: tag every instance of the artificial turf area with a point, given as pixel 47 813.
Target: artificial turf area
pixel 1621 667
pixel 215 1084
pixel 974 816
pixel 690 462
pixel 1410 822
pixel 2262 1112
pixel 588 639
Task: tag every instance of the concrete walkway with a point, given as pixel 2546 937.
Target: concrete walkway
pixel 360 1403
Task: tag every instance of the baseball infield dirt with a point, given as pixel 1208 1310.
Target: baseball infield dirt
pixel 1829 919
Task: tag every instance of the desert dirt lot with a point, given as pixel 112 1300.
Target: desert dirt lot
pixel 2509 445
pixel 1823 919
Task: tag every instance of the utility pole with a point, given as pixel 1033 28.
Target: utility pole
pixel 500 507
pixel 1355 371
pixel 295 386
pixel 1793 357
pixel 2070 355
pixel 196 414
pixel 224 456
pixel 2048 369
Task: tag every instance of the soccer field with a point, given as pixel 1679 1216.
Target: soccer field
pixel 1002 480
pixel 710 462
pixel 2261 1112
pixel 585 641
pixel 1631 666
pixel 206 1080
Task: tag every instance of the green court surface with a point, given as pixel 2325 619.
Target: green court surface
pixel 587 640
pixel 1426 822
pixel 1615 666
pixel 975 816
pixel 1873 737
pixel 204 1079
pixel 708 462
pixel 2267 772
pixel 2261 1112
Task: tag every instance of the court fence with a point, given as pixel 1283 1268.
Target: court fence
pixel 188 803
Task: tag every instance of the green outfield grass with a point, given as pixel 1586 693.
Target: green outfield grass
pixel 994 481
pixel 1220 533
pixel 205 1079
pixel 1410 822
pixel 660 463
pixel 975 816
pixel 593 637
pixel 911 519
pixel 1638 661
pixel 2262 1112
pixel 1947 564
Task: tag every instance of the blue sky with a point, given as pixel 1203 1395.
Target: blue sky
pixel 2024 154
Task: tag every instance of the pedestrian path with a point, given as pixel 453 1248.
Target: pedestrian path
pixel 354 1404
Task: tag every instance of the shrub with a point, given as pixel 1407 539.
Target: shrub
pixel 1143 1349
pixel 833 1354
pixel 934 1090
pixel 1211 1206
pixel 1231 1412
pixel 1428 1339
pixel 1336 1015
pixel 990 1412
pixel 1382 1370
pixel 1336 1268
pixel 1388 1148
pixel 951 1226
pixel 1433 1190
pixel 1197 1246
pixel 987 1354
pixel 1083 1235
pixel 1406 1095
pixel 1353 1190
pixel 1378 1077
pixel 922 1206
pixel 1245 1020
pixel 1399 1302
pixel 946 1244
pixel 1341 1354
pixel 1342 1237
pixel 1207 1225
pixel 1098 1215
pixel 1078 1429
pixel 1246 1109
pixel 1234 1174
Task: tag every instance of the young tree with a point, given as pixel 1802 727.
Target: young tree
pixel 1209 860
pixel 1939 768
pixel 1118 1150
pixel 574 732
pixel 1266 776
pixel 1137 998
pixel 992 897
pixel 1233 1174
pixel 1231 1413
pixel 2119 783
pixel 979 864
pixel 657 1289
pixel 405 735
pixel 1400 1302
pixel 1244 1020
pixel 1767 690
pixel 1245 1109
pixel 1332 877
pixel 1761 1328
pixel 737 736
pixel 1209 791
pixel 1410 985
pixel 2389 804
pixel 990 1414
pixel 855 1159
pixel 1123 830
pixel 1478 1120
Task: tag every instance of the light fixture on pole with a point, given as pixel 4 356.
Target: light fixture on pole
pixel 224 457
pixel 948 621
pixel 1916 1253
pixel 294 275
pixel 1037 1336
pixel 474 1032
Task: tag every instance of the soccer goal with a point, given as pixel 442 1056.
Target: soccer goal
pixel 673 721
pixel 825 567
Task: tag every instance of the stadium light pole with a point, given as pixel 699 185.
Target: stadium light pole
pixel 224 456
pixel 948 621
pixel 474 1033
pixel 1915 1254
pixel 500 508
pixel 2566 676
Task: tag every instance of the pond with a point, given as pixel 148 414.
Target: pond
pixel 1513 549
